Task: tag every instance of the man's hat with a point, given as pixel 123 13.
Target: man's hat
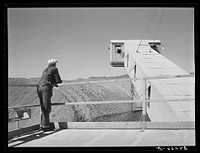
pixel 52 61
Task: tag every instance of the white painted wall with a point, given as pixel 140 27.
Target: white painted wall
pixel 150 64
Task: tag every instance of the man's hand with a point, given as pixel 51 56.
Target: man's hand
pixel 55 85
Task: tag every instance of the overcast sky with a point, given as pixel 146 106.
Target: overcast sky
pixel 79 38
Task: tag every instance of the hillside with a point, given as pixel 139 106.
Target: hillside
pixel 74 93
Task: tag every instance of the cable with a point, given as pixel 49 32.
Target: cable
pixel 159 25
pixel 147 28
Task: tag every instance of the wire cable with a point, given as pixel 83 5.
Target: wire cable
pixel 147 28
pixel 159 25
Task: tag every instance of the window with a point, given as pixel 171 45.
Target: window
pixel 118 49
pixel 117 54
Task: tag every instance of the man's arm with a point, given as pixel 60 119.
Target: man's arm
pixel 57 76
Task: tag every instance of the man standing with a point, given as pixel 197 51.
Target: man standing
pixel 50 78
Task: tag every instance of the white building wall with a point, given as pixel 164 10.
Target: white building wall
pixel 150 64
pixel 160 111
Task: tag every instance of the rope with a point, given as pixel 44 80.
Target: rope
pixel 147 28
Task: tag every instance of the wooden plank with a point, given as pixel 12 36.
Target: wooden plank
pixel 130 101
pixel 131 125
pixel 22 107
pixel 15 108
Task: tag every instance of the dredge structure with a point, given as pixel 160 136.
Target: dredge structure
pixel 164 91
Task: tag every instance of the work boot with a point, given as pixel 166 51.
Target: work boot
pixel 44 127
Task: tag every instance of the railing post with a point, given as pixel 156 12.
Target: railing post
pixel 18 124
pixel 144 109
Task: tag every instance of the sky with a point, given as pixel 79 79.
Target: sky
pixel 79 38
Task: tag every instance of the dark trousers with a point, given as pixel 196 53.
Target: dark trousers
pixel 45 94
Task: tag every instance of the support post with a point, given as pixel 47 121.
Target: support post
pixel 144 109
pixel 17 124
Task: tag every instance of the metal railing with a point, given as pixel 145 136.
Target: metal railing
pixel 144 101
pixel 13 108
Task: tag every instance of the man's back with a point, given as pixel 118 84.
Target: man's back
pixel 50 76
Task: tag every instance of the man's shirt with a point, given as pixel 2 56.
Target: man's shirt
pixel 50 76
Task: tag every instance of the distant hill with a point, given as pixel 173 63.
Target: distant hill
pixel 73 93
pixel 96 78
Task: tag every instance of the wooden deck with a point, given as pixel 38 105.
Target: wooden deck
pixel 106 138
pixel 106 134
